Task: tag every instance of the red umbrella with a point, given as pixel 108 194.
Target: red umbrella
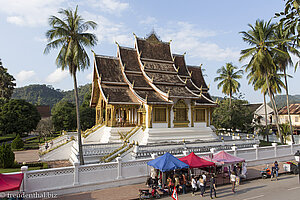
pixel 10 182
pixel 195 161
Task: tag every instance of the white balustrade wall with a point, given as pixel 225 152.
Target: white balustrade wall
pixel 98 176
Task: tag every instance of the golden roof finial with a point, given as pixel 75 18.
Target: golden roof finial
pixel 134 34
pixel 208 86
pixel 177 69
pixel 184 53
pixel 133 83
pixel 146 98
pixel 107 97
pixel 168 93
pixel 152 79
pixel 201 65
pixel 190 73
pixel 140 54
pixel 93 51
pixel 117 43
pixel 185 80
pixel 170 41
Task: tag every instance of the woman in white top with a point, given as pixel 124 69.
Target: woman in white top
pixel 233 180
pixel 194 185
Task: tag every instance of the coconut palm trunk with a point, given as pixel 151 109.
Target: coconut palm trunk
pixel 288 105
pixel 266 117
pixel 274 108
pixel 78 121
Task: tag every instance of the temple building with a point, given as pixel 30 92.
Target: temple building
pixel 149 87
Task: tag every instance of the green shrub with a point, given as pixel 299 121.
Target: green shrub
pixel 7 156
pixel 17 143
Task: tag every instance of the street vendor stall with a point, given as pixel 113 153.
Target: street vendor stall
pixel 167 162
pixel 227 163
pixel 195 161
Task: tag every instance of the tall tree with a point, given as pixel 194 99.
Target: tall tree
pixel 70 35
pixel 18 116
pixel 285 43
pixel 6 83
pixel 228 79
pixel 290 17
pixel 261 64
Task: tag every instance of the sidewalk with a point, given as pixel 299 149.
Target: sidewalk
pixel 130 192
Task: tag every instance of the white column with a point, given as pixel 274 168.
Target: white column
pixel 154 155
pixel 185 152
pixel 76 173
pixel 234 149
pixel 119 160
pixel 275 149
pixel 255 146
pixel 24 170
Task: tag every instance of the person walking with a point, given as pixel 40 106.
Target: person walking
pixel 204 179
pixel 233 181
pixel 212 186
pixel 201 185
pixel 194 185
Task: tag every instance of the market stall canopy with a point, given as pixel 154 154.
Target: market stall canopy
pixel 223 157
pixel 10 182
pixel 167 162
pixel 195 161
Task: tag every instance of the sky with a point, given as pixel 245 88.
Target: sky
pixel 208 31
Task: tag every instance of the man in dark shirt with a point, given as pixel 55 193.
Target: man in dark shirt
pixel 212 185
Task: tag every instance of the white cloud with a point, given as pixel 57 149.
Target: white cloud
pixel 148 20
pixel 110 6
pixel 89 76
pixel 40 39
pixel 188 38
pixel 57 76
pixel 29 12
pixel 25 75
pixel 109 31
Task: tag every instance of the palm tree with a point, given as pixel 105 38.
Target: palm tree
pixel 285 130
pixel 69 34
pixel 285 43
pixel 228 77
pixel 261 63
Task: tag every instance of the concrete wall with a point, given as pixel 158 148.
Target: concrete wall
pixel 98 176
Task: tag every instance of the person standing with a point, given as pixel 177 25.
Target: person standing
pixel 233 181
pixel 212 186
pixel 276 169
pixel 204 179
pixel 177 183
pixel 183 184
pixel 194 185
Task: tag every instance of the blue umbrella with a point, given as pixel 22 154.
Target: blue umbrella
pixel 167 162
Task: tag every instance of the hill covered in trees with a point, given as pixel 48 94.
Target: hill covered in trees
pixel 281 100
pixel 47 95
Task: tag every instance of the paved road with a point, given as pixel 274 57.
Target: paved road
pixel 286 188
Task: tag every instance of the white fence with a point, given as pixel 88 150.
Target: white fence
pixel 98 176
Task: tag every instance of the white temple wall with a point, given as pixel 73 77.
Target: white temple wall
pixel 199 124
pixel 146 117
pixel 160 125
pixel 188 102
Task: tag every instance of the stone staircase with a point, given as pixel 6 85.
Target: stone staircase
pixel 157 135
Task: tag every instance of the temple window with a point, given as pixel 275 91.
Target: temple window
pixel 200 115
pixel 160 115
